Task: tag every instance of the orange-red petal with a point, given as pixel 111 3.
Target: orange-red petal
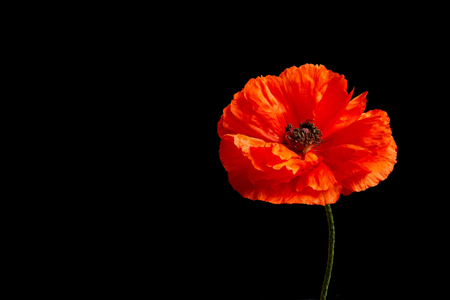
pixel 320 178
pixel 370 131
pixel 269 171
pixel 353 111
pixel 257 111
pixel 362 154
pixel 343 161
pixel 332 106
pixel 380 163
pixel 267 104
pixel 304 88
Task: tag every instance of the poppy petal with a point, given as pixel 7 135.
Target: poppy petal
pixel 353 111
pixel 370 131
pixel 319 186
pixel 343 161
pixel 380 163
pixel 320 178
pixel 260 108
pixel 269 160
pixel 310 196
pixel 332 106
pixel 305 86
pixel 268 171
pixel 362 154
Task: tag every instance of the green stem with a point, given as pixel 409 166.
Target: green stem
pixel 326 280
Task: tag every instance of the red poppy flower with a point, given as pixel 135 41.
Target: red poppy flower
pixel 298 138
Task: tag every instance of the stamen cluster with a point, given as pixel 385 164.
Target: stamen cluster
pixel 304 138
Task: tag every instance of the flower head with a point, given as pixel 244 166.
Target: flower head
pixel 299 138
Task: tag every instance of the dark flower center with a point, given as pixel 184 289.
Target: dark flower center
pixel 304 138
